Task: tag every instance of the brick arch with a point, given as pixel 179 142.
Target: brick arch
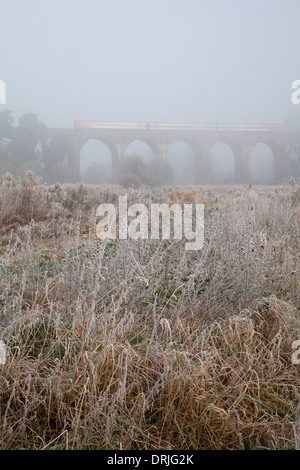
pixel 279 159
pixel 107 144
pixel 239 157
pixel 154 147
pixel 190 142
pixel 194 148
pixel 78 146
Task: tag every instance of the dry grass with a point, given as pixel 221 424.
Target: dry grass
pixel 143 345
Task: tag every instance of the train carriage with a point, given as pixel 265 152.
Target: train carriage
pixel 160 126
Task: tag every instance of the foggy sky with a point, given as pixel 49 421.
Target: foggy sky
pixel 150 60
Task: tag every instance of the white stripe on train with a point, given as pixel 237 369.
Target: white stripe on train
pixel 176 126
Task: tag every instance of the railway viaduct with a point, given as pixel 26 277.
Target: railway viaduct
pixel 201 138
pixel 160 141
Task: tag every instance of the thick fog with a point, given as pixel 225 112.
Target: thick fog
pixel 202 61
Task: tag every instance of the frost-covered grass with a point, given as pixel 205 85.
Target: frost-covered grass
pixel 142 344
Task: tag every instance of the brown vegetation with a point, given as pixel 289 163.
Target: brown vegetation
pixel 143 345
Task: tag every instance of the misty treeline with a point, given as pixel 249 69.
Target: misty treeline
pixel 30 149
